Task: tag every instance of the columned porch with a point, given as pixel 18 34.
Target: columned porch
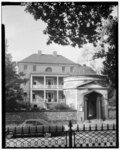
pixel 43 97
pixel 46 89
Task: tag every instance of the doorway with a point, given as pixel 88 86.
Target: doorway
pixel 49 82
pixel 93 106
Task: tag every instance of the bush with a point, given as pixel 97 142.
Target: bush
pixel 37 109
pixel 62 107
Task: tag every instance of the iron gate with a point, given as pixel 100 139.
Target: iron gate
pixel 91 136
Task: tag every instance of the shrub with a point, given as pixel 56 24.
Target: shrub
pixel 62 107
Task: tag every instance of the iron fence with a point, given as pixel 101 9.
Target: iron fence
pixel 90 136
pixel 98 136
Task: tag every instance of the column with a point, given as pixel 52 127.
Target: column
pixel 85 108
pixel 106 106
pixel 97 107
pixel 44 82
pixel 57 82
pixel 44 95
pixel 57 96
pixel 31 83
pixel 31 96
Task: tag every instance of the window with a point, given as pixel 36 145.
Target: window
pixel 63 69
pixel 34 67
pixel 49 81
pixel 50 96
pixel 38 123
pixel 33 96
pixel 29 122
pixel 48 69
pixel 71 69
pixel 25 67
pixel 63 96
pixel 34 82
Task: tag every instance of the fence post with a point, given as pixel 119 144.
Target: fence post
pixel 70 133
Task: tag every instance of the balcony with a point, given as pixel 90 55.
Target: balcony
pixel 47 87
pixel 38 86
pixel 50 86
pixel 55 101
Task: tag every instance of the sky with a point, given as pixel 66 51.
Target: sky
pixel 25 37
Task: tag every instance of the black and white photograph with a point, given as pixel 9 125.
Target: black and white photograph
pixel 60 74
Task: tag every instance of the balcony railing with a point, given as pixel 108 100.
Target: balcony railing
pixel 38 86
pixel 55 100
pixel 50 86
pixel 47 86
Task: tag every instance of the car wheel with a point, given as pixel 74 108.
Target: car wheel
pixel 47 135
pixel 9 135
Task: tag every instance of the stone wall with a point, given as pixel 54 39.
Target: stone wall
pixel 19 117
pixel 53 117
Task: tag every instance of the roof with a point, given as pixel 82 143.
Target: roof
pixel 84 70
pixel 92 84
pixel 91 91
pixel 52 73
pixel 45 58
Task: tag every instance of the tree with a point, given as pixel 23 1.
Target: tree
pixel 75 24
pixel 13 92
pixel 110 62
pixel 70 23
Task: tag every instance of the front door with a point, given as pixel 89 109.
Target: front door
pixel 49 82
pixel 91 106
pixel 50 96
pixel 93 109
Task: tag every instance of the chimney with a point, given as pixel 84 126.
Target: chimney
pixel 39 52
pixel 55 53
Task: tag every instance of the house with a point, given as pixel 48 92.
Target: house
pixel 54 79
pixel 45 75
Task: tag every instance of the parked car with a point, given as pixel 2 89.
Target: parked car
pixel 34 128
pixel 34 123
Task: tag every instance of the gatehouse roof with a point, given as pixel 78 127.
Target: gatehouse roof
pixel 84 70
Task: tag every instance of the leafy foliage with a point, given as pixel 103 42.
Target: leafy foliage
pixel 75 24
pixel 112 97
pixel 110 62
pixel 62 106
pixel 13 92
pixel 70 23
pixel 111 54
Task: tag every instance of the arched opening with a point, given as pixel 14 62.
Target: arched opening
pixel 93 106
pixel 49 69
